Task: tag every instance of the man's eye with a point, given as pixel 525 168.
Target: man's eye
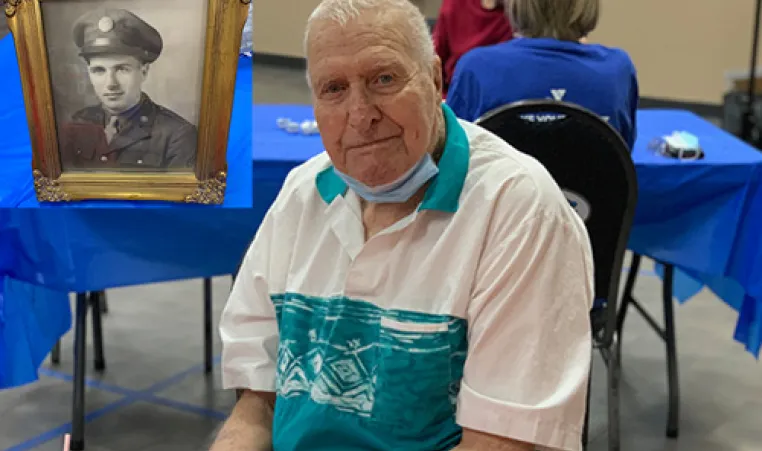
pixel 385 79
pixel 332 88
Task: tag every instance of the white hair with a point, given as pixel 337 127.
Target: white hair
pixel 343 11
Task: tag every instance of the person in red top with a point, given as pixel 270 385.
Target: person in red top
pixel 465 24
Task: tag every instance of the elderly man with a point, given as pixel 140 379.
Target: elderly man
pixel 419 286
pixel 127 129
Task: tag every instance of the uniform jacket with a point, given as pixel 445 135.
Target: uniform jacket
pixel 151 137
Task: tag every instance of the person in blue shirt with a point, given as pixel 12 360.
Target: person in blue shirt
pixel 550 59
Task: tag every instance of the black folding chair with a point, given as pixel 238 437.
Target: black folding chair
pixel 592 165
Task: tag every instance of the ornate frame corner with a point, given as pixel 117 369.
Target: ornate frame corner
pixel 10 7
pixel 49 190
pixel 210 191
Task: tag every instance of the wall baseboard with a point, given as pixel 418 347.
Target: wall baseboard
pixel 289 62
pixel 701 109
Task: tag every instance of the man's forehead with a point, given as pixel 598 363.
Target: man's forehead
pixel 369 60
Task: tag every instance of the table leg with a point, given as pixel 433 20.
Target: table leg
pixel 96 299
pixel 671 344
pixel 103 302
pixel 78 404
pixel 208 340
pixel 55 354
pixel 586 427
pixel 613 372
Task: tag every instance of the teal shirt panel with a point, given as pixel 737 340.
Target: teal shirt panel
pixel 353 376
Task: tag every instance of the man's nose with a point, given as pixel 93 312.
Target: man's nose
pixel 363 112
pixel 112 82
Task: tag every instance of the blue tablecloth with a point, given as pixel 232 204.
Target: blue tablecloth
pixel 704 217
pixel 16 183
pixel 47 253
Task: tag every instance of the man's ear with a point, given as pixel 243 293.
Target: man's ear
pixel 436 73
pixel 144 69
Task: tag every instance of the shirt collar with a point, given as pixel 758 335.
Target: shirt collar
pixel 130 113
pixel 443 193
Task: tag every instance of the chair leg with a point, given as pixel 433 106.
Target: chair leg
pixel 96 299
pixel 629 286
pixel 613 371
pixel 55 354
pixel 103 302
pixel 586 427
pixel 671 344
pixel 208 325
pixel 78 401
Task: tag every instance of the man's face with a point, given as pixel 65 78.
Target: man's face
pixel 117 80
pixel 376 106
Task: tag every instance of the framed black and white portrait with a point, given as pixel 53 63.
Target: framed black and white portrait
pixel 126 99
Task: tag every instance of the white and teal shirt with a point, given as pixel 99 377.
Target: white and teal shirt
pixel 472 312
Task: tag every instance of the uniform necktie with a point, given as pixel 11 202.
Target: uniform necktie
pixel 111 128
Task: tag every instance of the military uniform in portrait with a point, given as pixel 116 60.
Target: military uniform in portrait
pixel 126 130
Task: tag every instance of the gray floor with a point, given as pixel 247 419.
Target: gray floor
pixel 154 395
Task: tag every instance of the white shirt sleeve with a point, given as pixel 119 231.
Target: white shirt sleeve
pixel 526 373
pixel 248 326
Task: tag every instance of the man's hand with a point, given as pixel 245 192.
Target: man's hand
pixel 479 441
pixel 67 442
pixel 249 427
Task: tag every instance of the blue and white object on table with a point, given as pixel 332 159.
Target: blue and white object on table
pixel 679 144
pixel 306 127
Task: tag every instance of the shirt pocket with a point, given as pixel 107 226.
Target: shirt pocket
pixel 413 375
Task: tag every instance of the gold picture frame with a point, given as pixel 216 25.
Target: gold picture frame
pixel 205 184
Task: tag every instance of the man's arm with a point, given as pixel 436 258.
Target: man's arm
pixel 249 334
pixel 479 441
pixel 525 378
pixel 249 427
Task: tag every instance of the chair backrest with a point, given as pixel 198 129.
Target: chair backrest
pixel 591 163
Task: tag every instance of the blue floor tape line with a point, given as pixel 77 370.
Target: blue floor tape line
pixel 128 397
pixel 145 395
pixel 181 406
pixel 166 383
pixel 88 382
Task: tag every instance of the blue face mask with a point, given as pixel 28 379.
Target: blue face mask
pixel 398 191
